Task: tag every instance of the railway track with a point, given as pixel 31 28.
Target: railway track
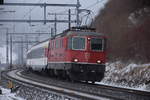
pixel 21 79
pixel 79 90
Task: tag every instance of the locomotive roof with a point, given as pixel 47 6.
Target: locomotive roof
pixel 82 33
pixel 78 33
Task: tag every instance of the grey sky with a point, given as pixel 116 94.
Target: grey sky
pixel 35 12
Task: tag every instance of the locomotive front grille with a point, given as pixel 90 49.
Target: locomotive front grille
pixel 88 67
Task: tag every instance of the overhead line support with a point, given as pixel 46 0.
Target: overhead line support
pixel 38 4
pixel 37 21
pixel 25 41
pixel 28 33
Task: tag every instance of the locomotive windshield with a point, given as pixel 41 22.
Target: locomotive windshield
pixel 96 44
pixel 78 43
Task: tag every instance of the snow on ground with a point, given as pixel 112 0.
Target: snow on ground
pixel 7 95
pixel 135 76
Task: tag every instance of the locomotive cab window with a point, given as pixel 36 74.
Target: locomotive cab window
pixel 96 44
pixel 78 43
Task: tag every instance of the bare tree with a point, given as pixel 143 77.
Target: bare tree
pixel 126 22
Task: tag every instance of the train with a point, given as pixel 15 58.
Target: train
pixel 77 53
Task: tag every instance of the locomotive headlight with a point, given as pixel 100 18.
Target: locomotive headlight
pixel 75 60
pixel 89 38
pixel 98 61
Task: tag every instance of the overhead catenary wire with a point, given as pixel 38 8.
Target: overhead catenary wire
pixel 94 4
pixel 88 15
pixel 31 9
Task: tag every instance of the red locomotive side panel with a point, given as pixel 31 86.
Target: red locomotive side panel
pixel 57 50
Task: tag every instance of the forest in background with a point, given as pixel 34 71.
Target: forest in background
pixel 126 23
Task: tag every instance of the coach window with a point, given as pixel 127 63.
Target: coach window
pixel 35 53
pixel 41 53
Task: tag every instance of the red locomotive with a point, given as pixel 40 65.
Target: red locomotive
pixel 78 53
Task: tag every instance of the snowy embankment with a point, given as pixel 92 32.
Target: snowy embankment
pixel 7 95
pixel 127 75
